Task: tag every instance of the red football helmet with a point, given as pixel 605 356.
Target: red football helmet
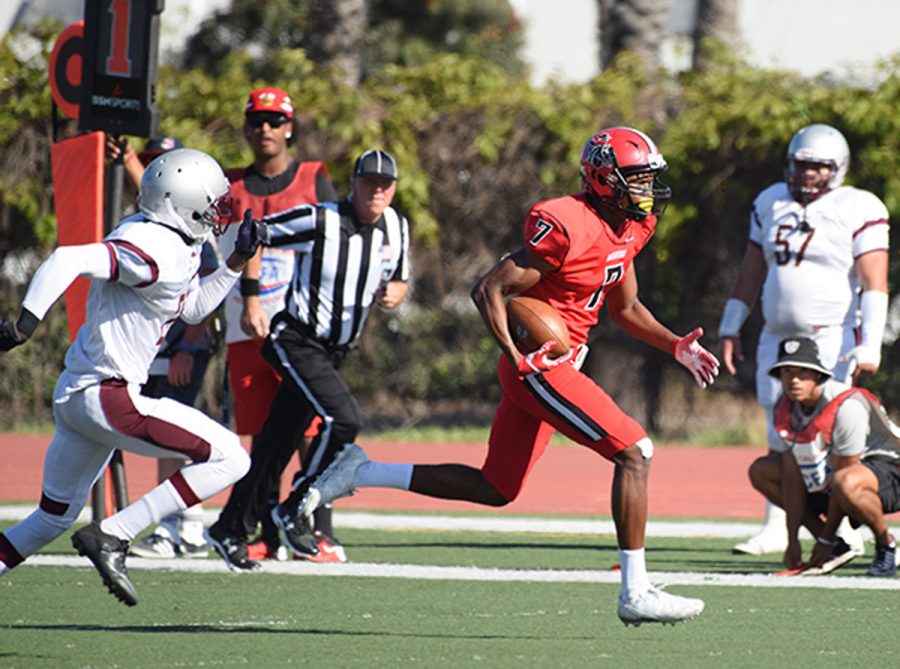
pixel 613 155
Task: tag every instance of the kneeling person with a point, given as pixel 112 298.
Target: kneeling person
pixel 842 460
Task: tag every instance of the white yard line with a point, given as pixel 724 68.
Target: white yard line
pixel 435 573
pixel 394 521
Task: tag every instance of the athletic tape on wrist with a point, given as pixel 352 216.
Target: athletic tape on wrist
pixel 733 316
pixel 874 308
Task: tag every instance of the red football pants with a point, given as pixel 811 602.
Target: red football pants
pixel 534 407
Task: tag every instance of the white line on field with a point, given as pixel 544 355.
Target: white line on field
pixel 369 520
pixel 435 573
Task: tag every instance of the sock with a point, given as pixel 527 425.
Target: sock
pixel 776 519
pixel 168 528
pixel 383 475
pixel 191 531
pixel 130 521
pixel 634 572
pixel 322 520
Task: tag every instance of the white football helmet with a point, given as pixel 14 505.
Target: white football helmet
pixel 817 143
pixel 186 189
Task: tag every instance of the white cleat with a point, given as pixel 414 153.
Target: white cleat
pixel 841 554
pixel 769 540
pixel 336 480
pixel 852 537
pixel 656 606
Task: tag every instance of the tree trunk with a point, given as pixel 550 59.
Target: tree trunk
pixel 717 20
pixel 338 28
pixel 633 25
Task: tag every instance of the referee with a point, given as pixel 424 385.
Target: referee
pixel 349 255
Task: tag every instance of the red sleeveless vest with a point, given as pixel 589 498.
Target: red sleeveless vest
pixel 301 190
pixel 823 423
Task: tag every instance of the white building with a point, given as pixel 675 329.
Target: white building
pixel 810 36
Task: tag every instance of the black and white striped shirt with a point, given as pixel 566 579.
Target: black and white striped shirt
pixel 340 265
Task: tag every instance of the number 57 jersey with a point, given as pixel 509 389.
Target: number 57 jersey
pixel 810 254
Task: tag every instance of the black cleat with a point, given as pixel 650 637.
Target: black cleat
pixel 233 549
pixel 297 531
pixel 108 555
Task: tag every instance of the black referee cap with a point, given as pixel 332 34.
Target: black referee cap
pixel 376 163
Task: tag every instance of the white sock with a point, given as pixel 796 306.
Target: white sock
pixel 168 528
pixel 192 525
pixel 776 519
pixel 383 475
pixel 156 504
pixel 634 572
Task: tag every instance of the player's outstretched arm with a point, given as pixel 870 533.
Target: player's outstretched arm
pixel 213 288
pixel 628 312
pixel 54 275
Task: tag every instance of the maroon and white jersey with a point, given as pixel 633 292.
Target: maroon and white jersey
pixel 144 276
pixel 810 253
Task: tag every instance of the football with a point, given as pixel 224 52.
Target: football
pixel 532 322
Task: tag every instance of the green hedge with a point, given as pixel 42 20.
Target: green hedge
pixel 476 148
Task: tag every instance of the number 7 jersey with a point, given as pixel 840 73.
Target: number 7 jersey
pixel 589 257
pixel 811 252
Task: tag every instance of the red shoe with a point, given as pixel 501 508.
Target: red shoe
pixel 330 550
pixel 260 550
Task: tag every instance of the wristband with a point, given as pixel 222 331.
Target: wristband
pixel 27 323
pixel 249 287
pixel 874 307
pixel 185 347
pixel 733 316
pixel 825 542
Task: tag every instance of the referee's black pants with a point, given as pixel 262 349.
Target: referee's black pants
pixel 311 385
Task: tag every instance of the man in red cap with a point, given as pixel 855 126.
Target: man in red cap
pixel 275 181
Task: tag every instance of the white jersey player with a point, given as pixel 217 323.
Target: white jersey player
pixel 818 254
pixel 144 276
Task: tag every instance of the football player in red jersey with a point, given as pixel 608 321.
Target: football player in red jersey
pixel 578 254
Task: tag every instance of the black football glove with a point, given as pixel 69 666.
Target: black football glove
pixel 9 336
pixel 15 334
pixel 250 236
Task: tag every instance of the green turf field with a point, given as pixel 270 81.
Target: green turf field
pixel 63 617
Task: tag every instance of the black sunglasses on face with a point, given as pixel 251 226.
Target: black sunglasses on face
pixel 259 118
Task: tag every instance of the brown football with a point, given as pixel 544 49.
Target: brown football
pixel 533 322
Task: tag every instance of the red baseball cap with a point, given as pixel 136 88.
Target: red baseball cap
pixel 270 100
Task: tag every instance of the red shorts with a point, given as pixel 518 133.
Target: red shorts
pixel 535 407
pixel 253 385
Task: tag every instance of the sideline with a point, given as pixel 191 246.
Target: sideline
pixel 368 520
pixel 434 573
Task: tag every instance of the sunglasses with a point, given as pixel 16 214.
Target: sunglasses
pixel 256 120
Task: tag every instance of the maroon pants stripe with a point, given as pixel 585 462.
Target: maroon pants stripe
pixel 184 490
pixel 125 418
pixel 53 507
pixel 8 553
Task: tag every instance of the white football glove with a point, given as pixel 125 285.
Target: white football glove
pixel 700 362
